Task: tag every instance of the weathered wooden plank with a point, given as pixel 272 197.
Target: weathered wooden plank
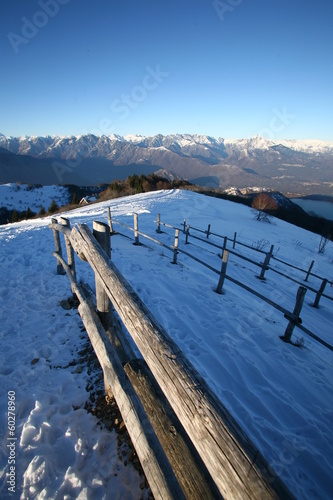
pixel 110 219
pixel 57 244
pixel 189 469
pixel 225 257
pixel 156 466
pixel 76 288
pixel 320 293
pixel 158 230
pixel 309 271
pixel 59 227
pixel 235 464
pixel 294 317
pixel 175 247
pixel 187 234
pixel 265 265
pixel 101 232
pixel 136 228
pixel 120 342
pixel 70 252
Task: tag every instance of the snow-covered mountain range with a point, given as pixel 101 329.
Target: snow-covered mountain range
pixel 91 145
pixel 290 166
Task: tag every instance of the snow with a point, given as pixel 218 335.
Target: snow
pixel 160 148
pixel 308 145
pixel 116 137
pixel 255 142
pixel 133 138
pixel 22 196
pixel 243 191
pixel 280 395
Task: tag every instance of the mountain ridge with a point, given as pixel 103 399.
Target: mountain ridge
pixel 300 167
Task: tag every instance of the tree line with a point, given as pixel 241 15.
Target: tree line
pixel 135 184
pixel 264 204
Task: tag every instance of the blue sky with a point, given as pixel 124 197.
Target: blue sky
pixel 225 68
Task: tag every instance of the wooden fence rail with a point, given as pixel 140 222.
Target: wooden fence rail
pixel 236 466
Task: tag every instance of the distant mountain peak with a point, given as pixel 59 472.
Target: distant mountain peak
pixel 134 137
pixel 289 166
pixel 116 137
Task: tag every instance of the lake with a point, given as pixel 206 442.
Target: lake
pixel 321 208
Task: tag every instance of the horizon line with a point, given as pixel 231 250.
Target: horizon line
pixel 60 136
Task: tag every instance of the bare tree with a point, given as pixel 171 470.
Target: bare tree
pixel 322 244
pixel 262 203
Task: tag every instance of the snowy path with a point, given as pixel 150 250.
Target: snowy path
pixel 280 395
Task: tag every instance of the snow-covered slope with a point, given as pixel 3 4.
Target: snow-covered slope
pixel 281 395
pixel 21 196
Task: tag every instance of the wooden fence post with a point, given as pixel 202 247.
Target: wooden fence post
pixel 70 252
pixel 187 234
pixel 234 243
pixel 158 230
pixel 110 219
pixel 136 228
pixel 309 271
pixel 184 226
pixel 225 257
pixel 294 316
pixel 225 241
pixel 175 251
pixel 320 293
pixel 101 232
pixel 208 231
pixel 60 269
pixel 266 263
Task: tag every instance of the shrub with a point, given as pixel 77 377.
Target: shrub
pixel 29 214
pixel 15 216
pixel 75 200
pixel 322 244
pixel 262 203
pixel 53 207
pixel 260 244
pixel 42 210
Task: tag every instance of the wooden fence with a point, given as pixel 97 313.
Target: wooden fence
pixel 187 442
pixel 268 256
pixel 293 316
